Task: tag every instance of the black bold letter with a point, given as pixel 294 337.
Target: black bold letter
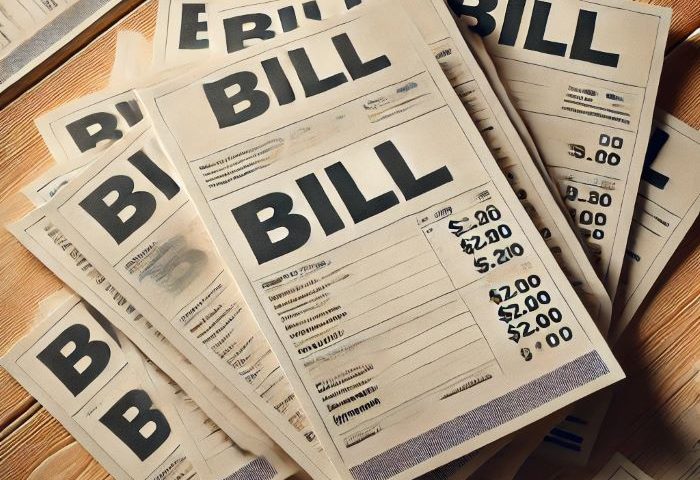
pixel 278 81
pixel 656 143
pixel 130 111
pixel 256 230
pixel 485 23
pixel 535 34
pixel 307 75
pixel 320 204
pixel 82 137
pixel 359 207
pixel 190 25
pixel 403 177
pixel 222 105
pixel 65 366
pixel 356 67
pixel 511 22
pixel 143 203
pixel 161 180
pixel 583 38
pixel 235 35
pixel 130 431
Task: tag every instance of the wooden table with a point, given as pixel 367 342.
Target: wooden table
pixel 654 419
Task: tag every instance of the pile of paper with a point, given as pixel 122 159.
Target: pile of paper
pixel 355 239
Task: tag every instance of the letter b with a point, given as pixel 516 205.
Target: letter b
pixel 107 215
pixel 236 35
pixel 65 366
pixel 79 130
pixel 129 417
pixel 257 231
pixel 142 203
pixel 223 106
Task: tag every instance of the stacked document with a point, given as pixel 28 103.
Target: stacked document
pixel 379 239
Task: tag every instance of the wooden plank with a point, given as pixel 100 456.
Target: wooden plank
pixel 686 18
pixel 25 448
pixel 70 462
pixel 679 91
pixel 658 352
pixel 15 400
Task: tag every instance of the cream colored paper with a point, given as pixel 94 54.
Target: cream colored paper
pixel 43 188
pixel 229 27
pixel 108 407
pixel 49 304
pixel 58 253
pixel 668 203
pixel 172 273
pixel 380 400
pixel 132 59
pixel 584 77
pixel 235 25
pixel 620 468
pixel 181 33
pixel 77 131
pixel 230 22
pixel 213 453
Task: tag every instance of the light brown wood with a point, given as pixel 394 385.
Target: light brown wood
pixel 686 18
pixel 654 416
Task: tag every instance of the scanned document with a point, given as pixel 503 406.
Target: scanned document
pixel 59 254
pixel 162 260
pixel 409 298
pixel 77 131
pixel 584 77
pixel 213 453
pixel 72 363
pixel 668 203
pixel 235 27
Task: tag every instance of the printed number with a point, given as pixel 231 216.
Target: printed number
pixel 553 316
pixel 502 255
pixel 587 218
pixel 608 141
pixel 522 285
pixel 506 254
pixel 457 229
pixel 603 156
pixel 489 214
pixel 493 235
pixel 553 340
pixel 506 313
pixel 594 198
pixel 472 244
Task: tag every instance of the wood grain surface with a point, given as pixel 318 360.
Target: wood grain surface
pixel 654 419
